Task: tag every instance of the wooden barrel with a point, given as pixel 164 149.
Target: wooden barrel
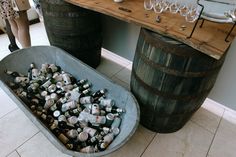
pixel 170 80
pixel 74 29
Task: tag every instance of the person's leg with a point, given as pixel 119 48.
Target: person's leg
pixel 20 29
pixel 23 29
pixel 14 28
pixel 13 46
pixel 9 33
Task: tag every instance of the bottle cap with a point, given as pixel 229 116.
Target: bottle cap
pixel 62 118
pixel 47 97
pixel 53 107
pixel 59 85
pixel 110 116
pixel 115 131
pixel 56 113
pixel 72 133
pixel 52 88
pixel 54 96
pixel 83 136
pixel 79 129
pixel 72 119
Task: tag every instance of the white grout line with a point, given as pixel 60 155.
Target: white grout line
pixel 8 112
pixel 215 134
pixel 118 72
pixel 196 123
pixel 148 144
pixel 18 153
pixel 27 140
pixel 22 144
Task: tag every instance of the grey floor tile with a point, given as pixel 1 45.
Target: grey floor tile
pixel 13 154
pixel 136 145
pixel 125 74
pixel 224 144
pixel 121 83
pixel 108 67
pixel 7 104
pixel 208 116
pixel 190 141
pixel 39 146
pixel 15 129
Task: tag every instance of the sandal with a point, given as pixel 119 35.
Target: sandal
pixel 13 47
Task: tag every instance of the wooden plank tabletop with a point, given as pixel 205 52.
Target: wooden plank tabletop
pixel 209 39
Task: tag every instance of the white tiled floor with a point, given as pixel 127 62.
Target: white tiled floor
pixel 211 132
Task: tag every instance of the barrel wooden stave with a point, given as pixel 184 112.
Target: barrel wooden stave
pixel 74 29
pixel 83 43
pixel 169 106
pixel 170 81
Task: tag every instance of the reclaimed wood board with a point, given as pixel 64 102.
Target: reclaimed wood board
pixel 210 39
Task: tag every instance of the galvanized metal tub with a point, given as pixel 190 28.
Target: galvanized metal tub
pixel 20 61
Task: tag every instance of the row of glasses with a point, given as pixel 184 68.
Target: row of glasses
pixel 187 8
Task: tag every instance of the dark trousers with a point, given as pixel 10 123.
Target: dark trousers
pixel 10 34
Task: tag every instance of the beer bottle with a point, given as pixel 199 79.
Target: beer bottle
pixel 114 109
pixel 81 82
pixel 88 149
pixel 86 100
pixel 13 85
pixel 91 131
pixel 54 68
pixel 13 73
pixel 63 138
pixel 72 133
pixel 71 145
pixel 109 119
pixel 106 102
pixel 101 146
pixel 98 94
pixel 64 125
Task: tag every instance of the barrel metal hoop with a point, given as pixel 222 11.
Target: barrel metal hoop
pixel 176 72
pixel 186 113
pixel 170 95
pixel 179 114
pixel 173 49
pixel 60 2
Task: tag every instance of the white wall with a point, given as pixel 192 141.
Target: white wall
pixel 120 37
pixel 224 90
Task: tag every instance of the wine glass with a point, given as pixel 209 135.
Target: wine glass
pixel 192 11
pixel 174 6
pixel 192 15
pixel 148 4
pixel 159 6
pixel 166 4
pixel 183 8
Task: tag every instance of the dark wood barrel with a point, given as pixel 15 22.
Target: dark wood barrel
pixel 170 80
pixel 74 29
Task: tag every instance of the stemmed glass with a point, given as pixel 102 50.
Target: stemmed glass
pixel 192 11
pixel 183 9
pixel 148 4
pixel 231 14
pixel 187 8
pixel 174 6
pixel 167 4
pixel 159 6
